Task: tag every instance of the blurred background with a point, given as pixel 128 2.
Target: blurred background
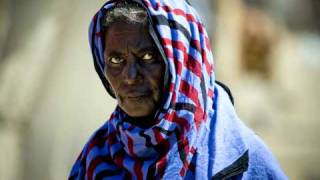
pixel 51 100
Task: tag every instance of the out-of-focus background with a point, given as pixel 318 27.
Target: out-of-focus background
pixel 51 100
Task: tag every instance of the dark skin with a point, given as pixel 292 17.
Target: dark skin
pixel 134 70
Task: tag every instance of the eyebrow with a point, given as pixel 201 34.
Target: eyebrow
pixel 118 52
pixel 148 48
pixel 113 54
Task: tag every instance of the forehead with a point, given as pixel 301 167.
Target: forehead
pixel 123 34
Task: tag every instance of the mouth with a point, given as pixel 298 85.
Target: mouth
pixel 136 95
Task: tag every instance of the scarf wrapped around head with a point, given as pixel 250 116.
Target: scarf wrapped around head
pixel 197 133
pixel 169 149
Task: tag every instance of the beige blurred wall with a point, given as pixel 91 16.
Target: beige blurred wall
pixel 282 108
pixel 51 99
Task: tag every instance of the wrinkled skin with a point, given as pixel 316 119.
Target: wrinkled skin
pixel 134 69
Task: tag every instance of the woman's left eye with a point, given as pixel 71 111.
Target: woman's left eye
pixel 147 57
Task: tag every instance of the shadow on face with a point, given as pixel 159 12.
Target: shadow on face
pixel 134 68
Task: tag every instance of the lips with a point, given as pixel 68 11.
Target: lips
pixel 135 94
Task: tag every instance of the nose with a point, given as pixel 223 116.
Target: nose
pixel 132 75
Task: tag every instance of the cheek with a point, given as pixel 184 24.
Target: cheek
pixel 115 83
pixel 156 77
pixel 113 79
pixel 111 71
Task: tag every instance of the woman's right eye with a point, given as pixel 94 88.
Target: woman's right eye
pixel 116 60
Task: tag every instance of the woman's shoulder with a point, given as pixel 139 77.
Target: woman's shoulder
pixel 262 163
pixel 96 145
pixel 99 137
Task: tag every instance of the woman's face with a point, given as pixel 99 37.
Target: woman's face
pixel 134 68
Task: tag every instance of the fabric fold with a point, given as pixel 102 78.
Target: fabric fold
pixel 196 132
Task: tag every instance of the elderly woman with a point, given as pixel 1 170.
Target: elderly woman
pixel 173 121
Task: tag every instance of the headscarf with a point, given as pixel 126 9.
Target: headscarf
pixel 187 141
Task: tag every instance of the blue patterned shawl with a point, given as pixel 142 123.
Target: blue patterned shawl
pixel 197 134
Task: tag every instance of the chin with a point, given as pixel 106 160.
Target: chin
pixel 139 110
pixel 139 113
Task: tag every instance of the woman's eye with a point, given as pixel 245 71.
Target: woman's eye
pixel 147 57
pixel 116 60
